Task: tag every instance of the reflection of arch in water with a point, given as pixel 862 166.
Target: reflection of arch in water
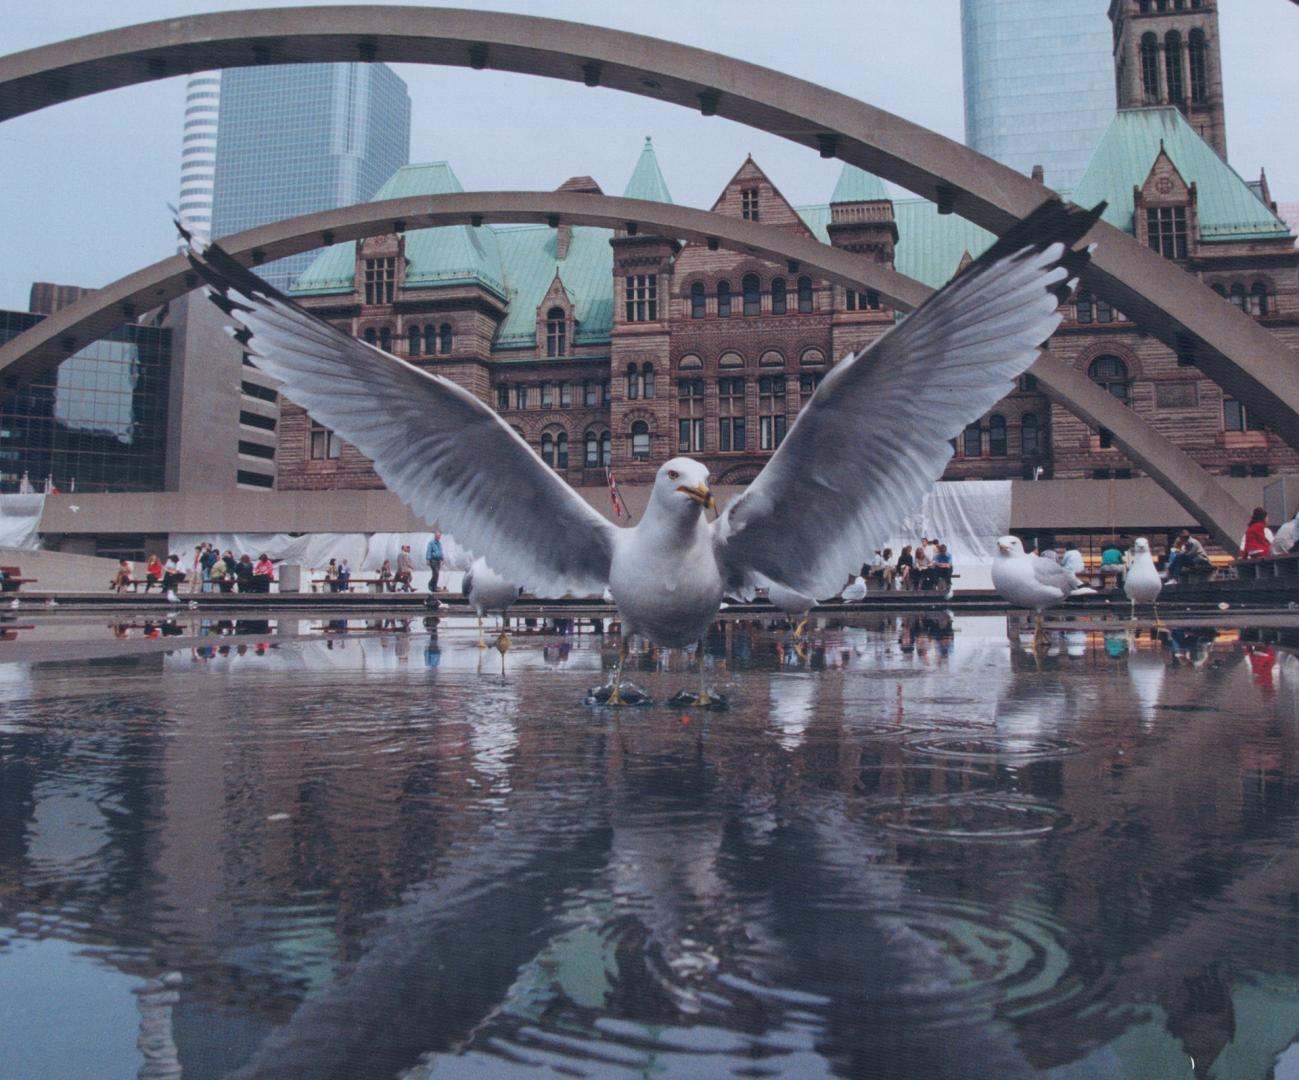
pixel 54 338
pixel 1247 360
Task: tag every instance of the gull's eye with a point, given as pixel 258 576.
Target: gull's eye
pixel 673 474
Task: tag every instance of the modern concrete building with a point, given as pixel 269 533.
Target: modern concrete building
pixel 198 153
pixel 1039 83
pixel 296 138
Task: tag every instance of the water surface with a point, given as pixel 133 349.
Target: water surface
pixel 911 849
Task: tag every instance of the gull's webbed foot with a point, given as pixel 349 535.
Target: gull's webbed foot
pixel 625 695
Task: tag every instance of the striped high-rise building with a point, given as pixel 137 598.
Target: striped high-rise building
pixel 199 148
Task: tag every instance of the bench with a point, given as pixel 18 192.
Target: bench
pixel 375 584
pixel 1267 567
pixel 13 579
pixel 148 582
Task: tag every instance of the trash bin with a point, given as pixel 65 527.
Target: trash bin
pixel 290 577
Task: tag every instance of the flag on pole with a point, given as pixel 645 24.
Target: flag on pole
pixel 619 509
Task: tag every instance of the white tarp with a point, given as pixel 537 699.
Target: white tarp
pixel 365 552
pixel 967 516
pixel 20 521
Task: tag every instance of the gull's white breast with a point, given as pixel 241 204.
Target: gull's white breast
pixel 667 585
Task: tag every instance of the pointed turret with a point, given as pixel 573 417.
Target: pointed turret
pixel 647 179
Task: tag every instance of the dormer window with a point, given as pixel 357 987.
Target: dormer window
pixel 380 280
pixel 556 332
pixel 749 204
pixel 1166 230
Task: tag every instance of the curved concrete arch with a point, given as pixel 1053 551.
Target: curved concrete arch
pixel 55 338
pixel 1227 345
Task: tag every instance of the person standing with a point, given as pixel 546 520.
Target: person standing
pixel 386 583
pixel 331 576
pixel 405 568
pixel 433 556
pixel 344 576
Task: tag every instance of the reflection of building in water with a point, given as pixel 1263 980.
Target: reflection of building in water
pixel 98 422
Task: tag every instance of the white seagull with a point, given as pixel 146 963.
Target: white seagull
pixel 1142 582
pixel 870 443
pixel 1029 581
pixel 488 594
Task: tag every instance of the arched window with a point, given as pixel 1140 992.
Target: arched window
pixel 647 381
pixel 1173 66
pixel 385 338
pixel 1111 373
pixel 1238 296
pixel 640 441
pixel 412 340
pixel 633 382
pixel 1029 435
pixel 698 300
pixel 752 294
pixel 592 456
pixel 606 449
pixel 1150 67
pixel 804 295
pixel 723 299
pixel 370 337
pixel 996 435
pixel 1196 53
pixel 778 302
pixel 555 332
pixel 1258 299
pixel 548 450
pixel 444 338
pixel 430 339
pixel 973 440
pixel 1083 307
pixel 561 451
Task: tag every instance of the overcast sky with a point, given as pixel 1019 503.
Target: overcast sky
pixel 84 186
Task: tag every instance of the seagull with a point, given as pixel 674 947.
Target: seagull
pixel 1029 581
pixel 488 594
pixel 1142 582
pixel 856 590
pixel 870 443
pixel 794 604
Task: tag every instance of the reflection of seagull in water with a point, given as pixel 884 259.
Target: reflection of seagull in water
pixel 1142 582
pixel 866 448
pixel 1029 581
pixel 488 594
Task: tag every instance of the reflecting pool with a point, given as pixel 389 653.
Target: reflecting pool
pixel 911 848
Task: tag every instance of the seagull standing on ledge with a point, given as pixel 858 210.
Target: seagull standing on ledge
pixel 1029 581
pixel 870 443
pixel 1142 582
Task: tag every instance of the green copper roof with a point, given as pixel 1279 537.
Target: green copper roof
pixel 1227 209
pixel 857 185
pixel 930 245
pixel 528 253
pixel 455 255
pixel 646 179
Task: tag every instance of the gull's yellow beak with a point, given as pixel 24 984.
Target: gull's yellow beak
pixel 699 494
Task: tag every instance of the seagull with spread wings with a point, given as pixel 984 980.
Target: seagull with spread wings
pixel 870 443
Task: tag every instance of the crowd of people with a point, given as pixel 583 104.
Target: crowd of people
pixel 925 565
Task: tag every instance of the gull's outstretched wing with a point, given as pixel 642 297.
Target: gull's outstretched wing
pixel 875 436
pixel 444 452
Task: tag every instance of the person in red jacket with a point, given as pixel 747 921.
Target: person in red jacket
pixel 1258 537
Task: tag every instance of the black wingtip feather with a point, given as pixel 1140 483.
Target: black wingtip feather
pixel 1052 222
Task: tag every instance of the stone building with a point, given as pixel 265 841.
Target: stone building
pixel 604 348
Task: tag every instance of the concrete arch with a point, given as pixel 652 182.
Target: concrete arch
pixel 1227 345
pixel 52 340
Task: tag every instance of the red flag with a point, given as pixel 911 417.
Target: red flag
pixel 618 508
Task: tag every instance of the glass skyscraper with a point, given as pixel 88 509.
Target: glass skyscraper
pixel 298 138
pixel 1039 82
